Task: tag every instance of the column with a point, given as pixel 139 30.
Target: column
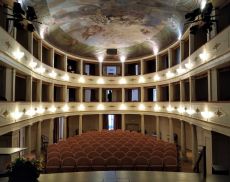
pixel 142 67
pixel 100 94
pixel 39 91
pixel 123 94
pixel 100 122
pixel 64 127
pixel 123 122
pixel 183 140
pixel 192 90
pixel 29 83
pixel 212 85
pixel 81 94
pixel 171 138
pixel 194 144
pixel 81 67
pixel 51 92
pixel 80 124
pixel 30 42
pixel 158 93
pixel 158 127
pixel 13 84
pixel 64 94
pixel 40 50
pixel 51 131
pixel 191 43
pixel 28 138
pixel 171 94
pixel 9 88
pixel 100 69
pixel 142 124
pixel 142 94
pixel 51 57
pixel 65 63
pixel 38 146
pixel 122 69
pixel 170 56
pixel 181 51
pixel 157 63
pixel 208 145
pixel 182 91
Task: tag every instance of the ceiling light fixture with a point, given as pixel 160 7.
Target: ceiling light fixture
pixel 32 64
pixel 156 78
pixel 52 109
pixel 141 79
pixel 188 65
pixel 65 77
pixel 40 110
pixel 53 74
pixel 65 108
pixel 18 54
pixel 40 70
pixel 16 114
pixel 81 79
pixel 207 114
pixel 122 59
pixel 122 81
pixel 180 70
pixel 81 107
pixel 123 107
pixel 141 107
pixel 204 56
pixel 157 108
pixel 100 59
pixel 31 112
pixel 169 74
pixel 170 108
pixel 100 107
pixel 100 81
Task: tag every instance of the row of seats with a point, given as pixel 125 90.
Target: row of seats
pixel 107 146
pixel 69 164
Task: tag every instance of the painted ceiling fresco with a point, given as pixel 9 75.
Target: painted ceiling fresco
pixel 135 27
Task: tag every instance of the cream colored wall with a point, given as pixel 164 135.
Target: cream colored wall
pixel 200 135
pixel 45 126
pixel 188 135
pixel 164 128
pixel 133 122
pixel 150 124
pixel 73 123
pixel 33 136
pixel 177 129
pixel 90 122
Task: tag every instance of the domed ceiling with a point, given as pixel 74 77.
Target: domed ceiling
pixel 134 27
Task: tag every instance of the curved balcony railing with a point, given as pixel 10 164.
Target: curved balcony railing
pixel 13 54
pixel 212 116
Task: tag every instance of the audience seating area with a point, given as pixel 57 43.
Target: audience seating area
pixel 111 150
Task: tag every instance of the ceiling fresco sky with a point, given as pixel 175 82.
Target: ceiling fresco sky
pixel 135 27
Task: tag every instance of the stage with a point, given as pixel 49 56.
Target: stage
pixel 127 176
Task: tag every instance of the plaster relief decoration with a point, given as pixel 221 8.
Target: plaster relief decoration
pixel 135 27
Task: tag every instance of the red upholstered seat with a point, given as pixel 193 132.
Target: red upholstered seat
pixel 141 163
pixel 84 164
pixel 98 164
pixel 156 163
pixel 119 154
pixel 53 165
pixel 92 155
pixel 127 163
pixel 170 164
pixel 68 164
pixel 112 163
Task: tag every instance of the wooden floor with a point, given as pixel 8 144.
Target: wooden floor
pixel 127 176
